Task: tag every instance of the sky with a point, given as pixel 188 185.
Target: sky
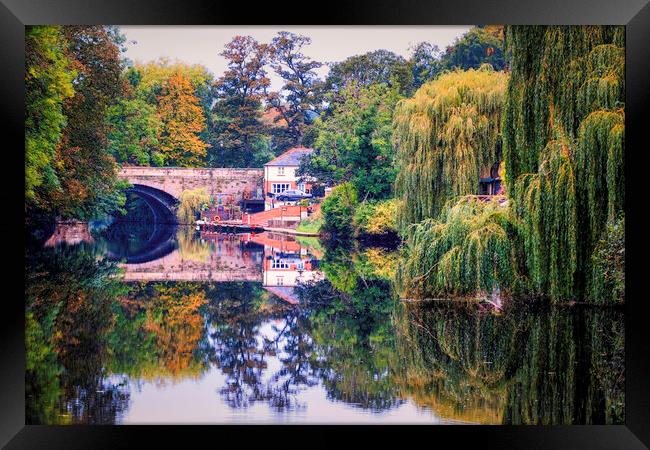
pixel 202 44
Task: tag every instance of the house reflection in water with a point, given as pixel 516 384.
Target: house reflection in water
pixel 286 264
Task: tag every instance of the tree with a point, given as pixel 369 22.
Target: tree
pixel 86 170
pixel 476 47
pixel 445 135
pixel 148 79
pixel 192 201
pixel 135 128
pixel 564 150
pixel 298 99
pixel 355 141
pixel 48 83
pixel 426 63
pixel 338 210
pixel 182 120
pixel 237 136
pixel 376 67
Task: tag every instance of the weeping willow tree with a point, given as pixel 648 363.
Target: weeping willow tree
pixel 472 249
pixel 192 201
pixel 563 137
pixel 445 135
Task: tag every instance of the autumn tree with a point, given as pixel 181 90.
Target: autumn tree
pixel 238 135
pixel 48 83
pixel 86 170
pixel 299 98
pixel 182 120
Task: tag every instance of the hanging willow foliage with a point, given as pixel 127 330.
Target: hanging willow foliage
pixel 472 249
pixel 445 135
pixel 563 137
pixel 559 74
pixel 546 203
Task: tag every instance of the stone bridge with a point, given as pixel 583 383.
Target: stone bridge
pixel 161 187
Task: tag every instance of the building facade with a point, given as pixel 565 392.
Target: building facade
pixel 280 175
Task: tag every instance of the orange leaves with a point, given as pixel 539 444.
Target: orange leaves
pixel 182 118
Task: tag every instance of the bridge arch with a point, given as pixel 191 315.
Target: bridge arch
pixel 162 204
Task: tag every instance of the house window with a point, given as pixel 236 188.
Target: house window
pixel 281 170
pixel 279 264
pixel 278 188
pixel 279 281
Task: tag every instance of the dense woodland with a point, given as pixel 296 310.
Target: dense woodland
pixel 403 141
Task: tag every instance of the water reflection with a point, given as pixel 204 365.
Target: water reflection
pixel 271 328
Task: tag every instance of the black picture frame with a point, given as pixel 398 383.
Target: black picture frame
pixel 15 14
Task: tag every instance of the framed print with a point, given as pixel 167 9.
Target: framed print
pixel 384 214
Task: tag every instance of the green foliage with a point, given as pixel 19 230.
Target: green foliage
pixel 546 202
pixel 608 281
pixel 355 141
pixel 376 67
pixel 559 74
pixel 376 217
pixel 87 183
pixel 48 83
pixel 472 249
pixel 564 138
pixel 135 128
pixel 237 133
pixel 338 210
pixel 299 96
pixel 192 201
pixel 425 62
pixel 476 47
pixel 446 134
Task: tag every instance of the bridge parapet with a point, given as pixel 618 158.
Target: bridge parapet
pixel 174 180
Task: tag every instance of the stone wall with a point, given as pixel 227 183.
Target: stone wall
pixel 216 181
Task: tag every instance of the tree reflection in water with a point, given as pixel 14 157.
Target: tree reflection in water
pixel 526 366
pixel 69 292
pixel 91 338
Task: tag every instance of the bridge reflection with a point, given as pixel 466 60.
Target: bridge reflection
pixel 156 252
pixel 278 261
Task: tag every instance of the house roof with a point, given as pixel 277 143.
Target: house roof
pixel 291 157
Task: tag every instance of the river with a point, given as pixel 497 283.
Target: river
pixel 144 324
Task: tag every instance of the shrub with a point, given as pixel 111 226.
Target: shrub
pixel 338 209
pixel 376 217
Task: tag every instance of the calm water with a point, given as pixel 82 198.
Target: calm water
pixel 140 324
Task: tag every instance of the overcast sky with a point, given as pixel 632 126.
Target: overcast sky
pixel 202 44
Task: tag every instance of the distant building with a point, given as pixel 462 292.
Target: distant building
pixel 280 174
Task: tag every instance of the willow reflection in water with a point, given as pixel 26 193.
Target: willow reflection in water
pixel 101 350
